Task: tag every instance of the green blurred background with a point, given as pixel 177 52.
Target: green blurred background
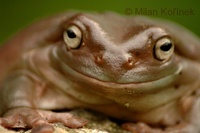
pixel 16 14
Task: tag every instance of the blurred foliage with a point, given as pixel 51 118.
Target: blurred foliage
pixel 16 14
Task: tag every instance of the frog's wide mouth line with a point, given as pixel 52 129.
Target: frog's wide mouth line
pixel 107 86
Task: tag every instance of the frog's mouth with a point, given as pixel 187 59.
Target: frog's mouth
pixel 120 88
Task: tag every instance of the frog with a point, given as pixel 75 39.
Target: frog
pixel 142 71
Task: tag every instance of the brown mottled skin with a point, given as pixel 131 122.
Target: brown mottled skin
pixel 114 70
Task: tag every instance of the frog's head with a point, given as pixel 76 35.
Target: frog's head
pixel 117 49
pixel 130 60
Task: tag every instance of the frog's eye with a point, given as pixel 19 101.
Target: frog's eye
pixel 72 37
pixel 164 48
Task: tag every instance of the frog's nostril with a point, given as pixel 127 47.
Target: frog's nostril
pixel 99 58
pixel 115 61
pixel 130 61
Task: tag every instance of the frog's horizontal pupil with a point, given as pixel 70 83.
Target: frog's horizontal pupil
pixel 166 46
pixel 71 33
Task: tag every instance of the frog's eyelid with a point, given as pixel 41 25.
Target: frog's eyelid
pixel 163 48
pixel 72 37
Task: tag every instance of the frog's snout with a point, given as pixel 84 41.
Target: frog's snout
pixel 115 61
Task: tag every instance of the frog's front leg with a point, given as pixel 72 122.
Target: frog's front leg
pixel 18 108
pixel 192 123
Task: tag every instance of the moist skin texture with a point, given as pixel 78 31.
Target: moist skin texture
pixel 141 71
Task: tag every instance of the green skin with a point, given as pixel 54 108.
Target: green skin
pixel 114 70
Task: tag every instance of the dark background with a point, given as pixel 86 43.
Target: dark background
pixel 16 14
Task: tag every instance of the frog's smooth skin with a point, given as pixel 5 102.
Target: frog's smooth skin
pixel 142 71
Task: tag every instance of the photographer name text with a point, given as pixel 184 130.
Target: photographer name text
pixel 161 11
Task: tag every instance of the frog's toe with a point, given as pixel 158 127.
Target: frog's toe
pixel 44 128
pixel 6 122
pixel 65 118
pixel 140 128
